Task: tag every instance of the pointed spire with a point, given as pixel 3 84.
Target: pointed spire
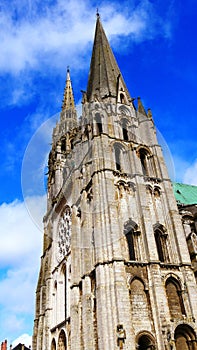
pixel 105 79
pixel 68 101
pixel 141 108
pixel 68 115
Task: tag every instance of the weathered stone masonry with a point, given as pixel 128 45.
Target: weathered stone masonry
pixel 115 271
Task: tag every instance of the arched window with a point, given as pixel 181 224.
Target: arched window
pixel 145 342
pixel 120 156
pixel 160 239
pixel 140 308
pixel 185 338
pixel 122 98
pixel 62 341
pixel 99 127
pixel 125 129
pixel 129 237
pixel 117 158
pixel 53 345
pixel 175 301
pixel 143 158
pixel 132 232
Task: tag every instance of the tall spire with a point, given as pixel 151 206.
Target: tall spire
pixel 68 115
pixel 68 101
pixel 105 79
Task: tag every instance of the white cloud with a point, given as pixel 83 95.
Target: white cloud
pixel 21 243
pixel 20 236
pixel 23 339
pixel 52 34
pixel 190 175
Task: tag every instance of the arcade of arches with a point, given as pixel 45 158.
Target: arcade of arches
pixel 61 342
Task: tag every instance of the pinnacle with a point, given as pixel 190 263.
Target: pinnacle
pixel 141 108
pixel 68 101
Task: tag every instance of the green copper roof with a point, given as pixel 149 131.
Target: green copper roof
pixel 185 194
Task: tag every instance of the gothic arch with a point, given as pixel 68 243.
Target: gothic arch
pixel 140 303
pixel 137 278
pixel 174 297
pixel 185 337
pixel 131 233
pixel 157 191
pixel 175 278
pixel 124 123
pixel 62 344
pixel 145 341
pixel 146 160
pixel 143 154
pixel 124 111
pixel 160 240
pixel 53 344
pixel 131 185
pixel 119 155
pixel 130 223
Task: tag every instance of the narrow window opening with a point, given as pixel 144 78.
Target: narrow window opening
pixel 159 245
pixel 175 300
pixel 143 159
pixel 130 243
pixel 117 158
pixel 63 145
pixel 98 123
pixel 122 98
pixel 124 130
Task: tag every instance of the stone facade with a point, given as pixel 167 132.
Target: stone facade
pixel 115 272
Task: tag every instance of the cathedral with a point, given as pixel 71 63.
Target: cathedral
pixel 118 267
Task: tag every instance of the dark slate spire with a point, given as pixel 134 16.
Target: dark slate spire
pixel 105 79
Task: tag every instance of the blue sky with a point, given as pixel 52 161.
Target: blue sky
pixel 155 46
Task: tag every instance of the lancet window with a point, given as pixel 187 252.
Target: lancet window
pixel 99 126
pixel 147 161
pixel 119 156
pixel 53 345
pixel 124 123
pixel 161 242
pixel 131 232
pixel 175 300
pixel 139 298
pixel 62 341
pixel 122 98
pixel 144 162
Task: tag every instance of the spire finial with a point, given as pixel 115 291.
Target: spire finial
pixel 97 13
pixel 68 101
pixel 68 74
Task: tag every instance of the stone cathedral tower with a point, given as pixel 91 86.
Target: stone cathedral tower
pixel 115 270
